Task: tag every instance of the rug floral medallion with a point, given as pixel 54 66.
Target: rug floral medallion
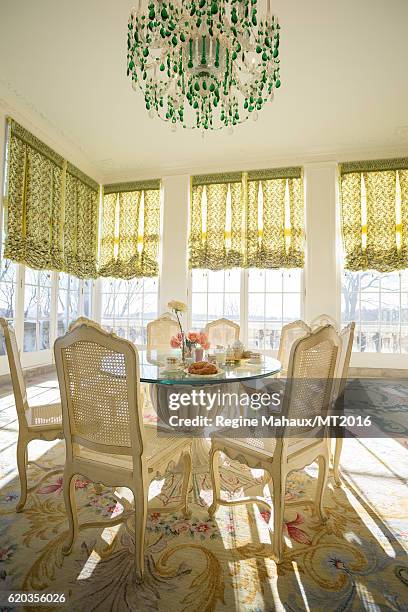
pixel 356 561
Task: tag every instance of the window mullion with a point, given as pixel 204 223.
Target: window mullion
pixel 19 306
pixel 54 308
pixel 244 306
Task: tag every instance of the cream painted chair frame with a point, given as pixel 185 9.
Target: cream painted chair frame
pixel 82 452
pixel 285 457
pixel 212 325
pixel 34 422
pixel 168 323
pixel 323 320
pixel 283 354
pixel 347 338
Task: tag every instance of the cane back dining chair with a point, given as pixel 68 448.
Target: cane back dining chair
pixel 289 334
pixel 308 393
pixel 222 332
pixel 34 422
pixel 159 333
pixel 106 440
pixel 343 362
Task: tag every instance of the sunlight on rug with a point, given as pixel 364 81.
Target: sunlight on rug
pixel 358 560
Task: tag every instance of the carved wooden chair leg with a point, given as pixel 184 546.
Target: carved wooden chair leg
pixel 140 530
pixel 278 495
pixel 186 483
pixel 70 505
pixel 22 472
pixel 323 461
pixel 336 462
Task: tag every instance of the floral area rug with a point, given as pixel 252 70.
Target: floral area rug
pixel 357 561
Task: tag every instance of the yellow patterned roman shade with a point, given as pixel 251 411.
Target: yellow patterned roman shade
pixel 130 230
pixel 51 208
pixel 249 220
pixel 80 224
pixel 374 213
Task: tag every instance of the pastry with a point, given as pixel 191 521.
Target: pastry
pixel 203 368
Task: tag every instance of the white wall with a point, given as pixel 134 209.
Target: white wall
pixel 322 287
pixel 174 269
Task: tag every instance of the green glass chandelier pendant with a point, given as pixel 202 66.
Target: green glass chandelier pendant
pixel 205 64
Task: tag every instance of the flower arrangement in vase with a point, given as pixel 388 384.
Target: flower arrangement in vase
pixel 191 340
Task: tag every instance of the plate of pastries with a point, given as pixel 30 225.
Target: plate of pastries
pixel 201 369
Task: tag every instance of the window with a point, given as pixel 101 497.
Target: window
pixel 215 295
pixel 37 310
pixel 378 303
pixel 127 306
pixel 261 301
pixel 274 299
pixel 74 299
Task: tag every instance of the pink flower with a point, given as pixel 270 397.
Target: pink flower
pixel 193 337
pixel 81 484
pixel 203 339
pixel 57 487
pixel 266 515
pixel 175 342
pixel 180 527
pixel 295 533
pixel 202 528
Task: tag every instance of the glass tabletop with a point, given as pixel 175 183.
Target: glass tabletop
pixel 153 369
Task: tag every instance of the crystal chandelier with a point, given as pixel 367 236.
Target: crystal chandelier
pixel 204 64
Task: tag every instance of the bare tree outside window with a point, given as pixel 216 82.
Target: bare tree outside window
pixel 378 303
pixel 127 307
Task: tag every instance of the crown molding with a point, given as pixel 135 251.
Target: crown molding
pixel 323 158
pixel 16 105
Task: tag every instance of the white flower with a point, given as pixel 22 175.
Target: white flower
pixel 177 306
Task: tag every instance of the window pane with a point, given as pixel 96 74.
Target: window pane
pixel 150 306
pixel 216 281
pixel 121 305
pixel 273 310
pixel 256 280
pixel 215 306
pixel 199 280
pixel 108 306
pixel 136 305
pixel 233 280
pixel 291 306
pixel 256 336
pixel 274 281
pixel 30 336
pixel 199 306
pixel 256 306
pixel 292 280
pixel 232 306
pixel 390 282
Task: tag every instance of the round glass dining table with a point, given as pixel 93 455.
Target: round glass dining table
pixel 153 369
pixel 163 382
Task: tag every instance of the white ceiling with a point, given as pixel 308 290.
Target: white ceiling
pixel 344 88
